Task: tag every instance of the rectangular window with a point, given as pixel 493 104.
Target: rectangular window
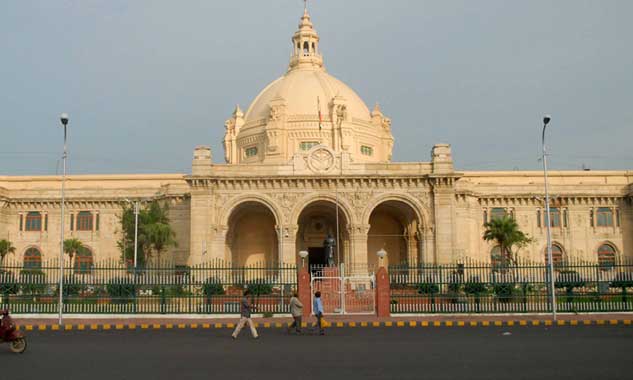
pixel 366 150
pixel 97 222
pixel 617 216
pixel 307 145
pixel 498 213
pixel 84 221
pixel 21 222
pixel 592 222
pixel 45 222
pixel 604 217
pixel 33 221
pixel 251 152
pixel 72 222
pixel 565 218
pixel 554 217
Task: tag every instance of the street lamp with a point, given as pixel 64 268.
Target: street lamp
pixel 136 211
pixel 303 254
pixel 64 120
pixel 546 120
pixel 381 254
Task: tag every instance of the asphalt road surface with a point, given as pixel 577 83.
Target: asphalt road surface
pixel 572 352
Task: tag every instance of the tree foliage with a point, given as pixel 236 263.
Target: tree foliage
pixel 6 247
pixel 72 246
pixel 506 233
pixel 155 234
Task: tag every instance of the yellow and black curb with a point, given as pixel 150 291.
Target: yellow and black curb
pixel 267 325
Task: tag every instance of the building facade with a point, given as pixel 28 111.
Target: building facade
pixel 309 159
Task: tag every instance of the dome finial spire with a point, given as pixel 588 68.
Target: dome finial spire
pixel 305 43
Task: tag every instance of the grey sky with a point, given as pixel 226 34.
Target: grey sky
pixel 147 81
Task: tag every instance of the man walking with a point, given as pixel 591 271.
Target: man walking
pixel 296 309
pixel 317 308
pixel 245 313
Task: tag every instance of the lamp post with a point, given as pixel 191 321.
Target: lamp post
pixel 546 120
pixel 136 211
pixel 64 120
pixel 303 254
pixel 381 255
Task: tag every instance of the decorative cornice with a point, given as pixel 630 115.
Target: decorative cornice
pixel 331 182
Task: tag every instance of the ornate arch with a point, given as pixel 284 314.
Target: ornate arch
pixel 606 242
pixel 232 204
pixel 421 212
pixel 304 202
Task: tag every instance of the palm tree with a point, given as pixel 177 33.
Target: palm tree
pixel 505 232
pixel 6 247
pixel 71 247
pixel 160 236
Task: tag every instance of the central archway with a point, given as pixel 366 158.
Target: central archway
pixel 317 220
pixel 252 237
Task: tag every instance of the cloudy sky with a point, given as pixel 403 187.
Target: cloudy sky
pixel 147 81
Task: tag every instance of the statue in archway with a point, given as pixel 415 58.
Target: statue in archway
pixel 329 244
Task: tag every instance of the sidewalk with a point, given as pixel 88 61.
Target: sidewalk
pixel 180 322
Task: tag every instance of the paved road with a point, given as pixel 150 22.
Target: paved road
pixel 593 352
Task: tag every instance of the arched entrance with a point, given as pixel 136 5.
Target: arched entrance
pixel 316 221
pixel 252 237
pixel 394 227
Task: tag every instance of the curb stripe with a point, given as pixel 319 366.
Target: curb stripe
pixel 351 324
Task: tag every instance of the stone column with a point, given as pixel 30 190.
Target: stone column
pixel 358 240
pixel 288 244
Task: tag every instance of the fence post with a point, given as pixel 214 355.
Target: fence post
pixel 305 293
pixel 382 293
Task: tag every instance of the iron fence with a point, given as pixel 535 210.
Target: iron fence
pixel 472 287
pixel 110 287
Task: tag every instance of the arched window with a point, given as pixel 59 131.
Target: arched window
pixel 306 48
pixel 557 255
pixel 83 261
pixel 84 221
pixel 32 259
pixel 606 256
pixel 33 221
pixel 313 48
pixel 604 217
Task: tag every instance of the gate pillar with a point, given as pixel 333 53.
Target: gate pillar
pixel 382 293
pixel 305 293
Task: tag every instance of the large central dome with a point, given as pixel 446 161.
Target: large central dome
pixel 306 108
pixel 303 89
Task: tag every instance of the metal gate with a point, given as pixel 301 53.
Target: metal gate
pixel 343 294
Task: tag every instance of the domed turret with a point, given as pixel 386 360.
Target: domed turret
pixel 304 108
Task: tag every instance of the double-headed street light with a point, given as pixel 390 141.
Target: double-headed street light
pixel 64 120
pixel 546 120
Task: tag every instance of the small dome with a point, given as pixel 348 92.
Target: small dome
pixel 302 90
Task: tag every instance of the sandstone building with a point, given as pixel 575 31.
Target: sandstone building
pixel 308 158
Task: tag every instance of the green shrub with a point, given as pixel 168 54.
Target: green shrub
pixel 212 287
pixel 622 281
pixel 121 290
pixel 474 286
pixel 428 288
pixel 259 288
pixel 504 290
pixel 33 281
pixel 8 283
pixel 72 287
pixel 569 280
